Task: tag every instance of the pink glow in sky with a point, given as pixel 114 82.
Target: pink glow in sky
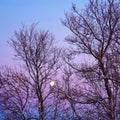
pixel 14 13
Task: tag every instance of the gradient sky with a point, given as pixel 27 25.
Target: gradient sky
pixel 14 13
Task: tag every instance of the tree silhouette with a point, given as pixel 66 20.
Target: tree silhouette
pixel 95 32
pixel 35 49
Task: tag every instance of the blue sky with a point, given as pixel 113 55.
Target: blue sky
pixel 14 13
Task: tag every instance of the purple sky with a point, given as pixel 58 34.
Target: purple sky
pixel 14 13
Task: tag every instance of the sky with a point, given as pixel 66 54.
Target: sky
pixel 15 13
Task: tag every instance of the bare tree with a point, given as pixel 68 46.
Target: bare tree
pixel 35 49
pixel 67 92
pixel 15 95
pixel 96 33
